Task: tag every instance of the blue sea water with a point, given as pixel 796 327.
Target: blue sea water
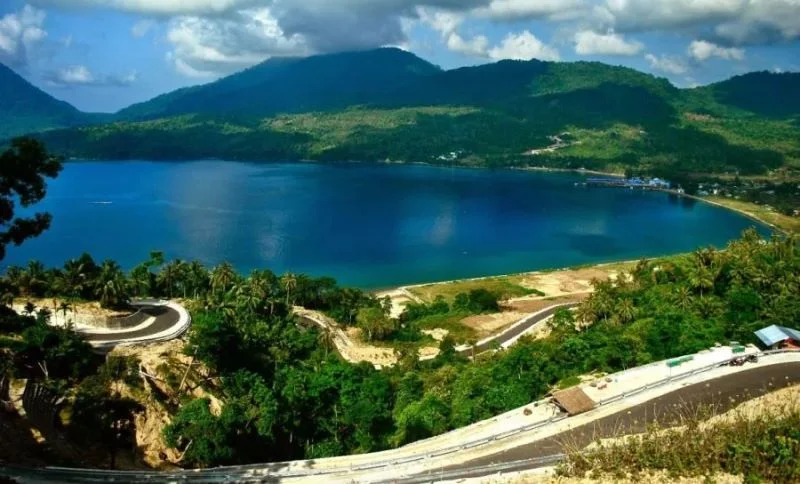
pixel 368 225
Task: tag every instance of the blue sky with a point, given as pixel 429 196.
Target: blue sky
pixel 102 55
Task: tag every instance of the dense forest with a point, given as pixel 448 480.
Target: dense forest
pixel 388 104
pixel 287 395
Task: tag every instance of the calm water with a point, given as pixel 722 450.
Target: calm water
pixel 367 225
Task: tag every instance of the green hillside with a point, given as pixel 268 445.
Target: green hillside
pixel 388 104
pixel 25 108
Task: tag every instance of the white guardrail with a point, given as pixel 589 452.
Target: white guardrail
pixel 175 331
pixel 229 471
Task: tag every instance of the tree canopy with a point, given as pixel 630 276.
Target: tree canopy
pixel 24 168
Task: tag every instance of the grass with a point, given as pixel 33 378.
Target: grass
pixel 784 222
pixel 452 323
pixel 569 382
pixel 505 286
pixel 762 446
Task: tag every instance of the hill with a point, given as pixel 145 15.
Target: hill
pixel 25 108
pixel 388 104
pixel 315 83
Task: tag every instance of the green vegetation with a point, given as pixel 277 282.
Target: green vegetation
pixel 505 287
pixel 765 447
pixel 26 109
pixel 285 395
pixel 24 168
pixel 391 105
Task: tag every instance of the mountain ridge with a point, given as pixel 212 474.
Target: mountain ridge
pixel 389 104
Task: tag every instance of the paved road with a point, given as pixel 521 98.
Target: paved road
pixel 718 392
pixel 513 332
pixel 166 318
pixel 722 393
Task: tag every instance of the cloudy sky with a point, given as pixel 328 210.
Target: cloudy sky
pixel 102 55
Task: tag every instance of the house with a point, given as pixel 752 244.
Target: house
pixel 779 337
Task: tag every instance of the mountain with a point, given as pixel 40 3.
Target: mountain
pixel 25 108
pixel 763 93
pixel 388 104
pixel 294 85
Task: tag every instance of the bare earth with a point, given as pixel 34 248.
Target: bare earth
pixel 83 315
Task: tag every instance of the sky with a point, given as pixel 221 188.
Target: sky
pixel 103 55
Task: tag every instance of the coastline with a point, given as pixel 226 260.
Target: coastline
pixel 406 288
pixel 744 213
pixel 581 171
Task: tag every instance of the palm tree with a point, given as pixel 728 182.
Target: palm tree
pixel 289 283
pixel 701 279
pixel 197 278
pixel 33 278
pixel 683 298
pixel 112 287
pixel 29 309
pixel 626 311
pixel 64 307
pixel 222 277
pixel 73 278
pixel 325 339
pixel 586 313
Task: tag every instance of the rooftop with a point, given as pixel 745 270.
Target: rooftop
pixel 775 334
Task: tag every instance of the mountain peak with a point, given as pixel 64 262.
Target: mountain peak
pixel 25 108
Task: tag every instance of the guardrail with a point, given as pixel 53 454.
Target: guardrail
pixel 207 474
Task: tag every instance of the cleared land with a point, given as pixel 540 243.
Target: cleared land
pixel 759 212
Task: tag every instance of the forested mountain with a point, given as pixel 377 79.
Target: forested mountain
pixel 295 85
pixel 25 108
pixel 388 104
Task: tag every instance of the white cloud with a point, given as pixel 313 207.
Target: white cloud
pixel 523 46
pixel 157 7
pixel 142 28
pixel 205 47
pixel 75 75
pixel 736 21
pixel 19 33
pixel 701 50
pixel 475 47
pixel 668 64
pixel 80 75
pixel 530 9
pixel 588 42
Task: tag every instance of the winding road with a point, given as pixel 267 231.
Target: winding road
pixel 722 391
pixel 167 320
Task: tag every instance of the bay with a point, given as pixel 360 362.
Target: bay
pixel 367 225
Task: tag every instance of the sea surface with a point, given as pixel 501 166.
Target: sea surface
pixel 368 225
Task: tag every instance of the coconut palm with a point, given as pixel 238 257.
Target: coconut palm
pixel 682 298
pixel 289 283
pixel 701 280
pixel 222 278
pixel 33 278
pixel 73 279
pixel 626 311
pixel 112 290
pixel 29 309
pixel 64 307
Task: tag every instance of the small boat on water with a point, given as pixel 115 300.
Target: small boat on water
pixel 101 203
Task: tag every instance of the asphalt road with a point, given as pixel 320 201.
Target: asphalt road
pixel 166 318
pixel 719 392
pixel 722 394
pixel 513 333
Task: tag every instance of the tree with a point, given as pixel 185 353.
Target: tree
pixel 222 278
pixel 24 168
pixel 205 439
pixel 374 323
pixel 112 287
pixel 104 417
pixel 289 283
